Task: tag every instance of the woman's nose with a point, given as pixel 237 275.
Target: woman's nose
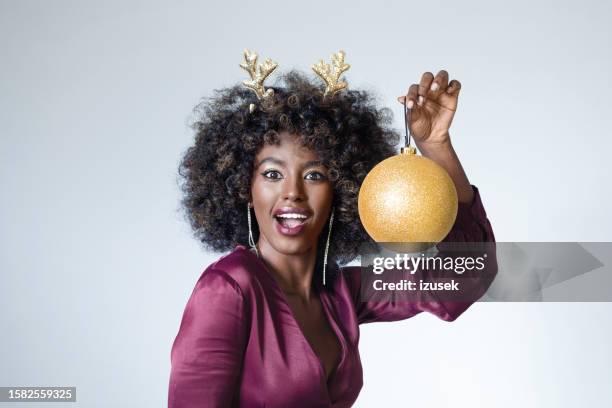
pixel 293 189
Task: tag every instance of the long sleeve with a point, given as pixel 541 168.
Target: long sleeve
pixel 208 350
pixel 471 225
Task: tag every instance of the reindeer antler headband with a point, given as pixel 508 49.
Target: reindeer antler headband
pixel 258 73
pixel 331 74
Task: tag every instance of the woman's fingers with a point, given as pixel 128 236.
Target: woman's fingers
pixel 453 87
pixel 440 83
pixel 411 97
pixel 424 85
pixel 430 87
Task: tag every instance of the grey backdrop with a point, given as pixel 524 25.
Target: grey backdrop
pixel 96 260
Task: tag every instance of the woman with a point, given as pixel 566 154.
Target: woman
pixel 261 328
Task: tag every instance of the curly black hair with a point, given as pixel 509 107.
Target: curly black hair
pixel 348 132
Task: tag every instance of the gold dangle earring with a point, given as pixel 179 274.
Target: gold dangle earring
pixel 331 221
pixel 251 240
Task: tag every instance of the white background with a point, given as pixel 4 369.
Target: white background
pixel 97 263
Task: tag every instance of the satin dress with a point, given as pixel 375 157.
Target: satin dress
pixel 239 344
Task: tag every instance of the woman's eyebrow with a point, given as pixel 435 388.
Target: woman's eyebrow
pixel 272 160
pixel 313 163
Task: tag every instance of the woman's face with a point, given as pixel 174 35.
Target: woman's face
pixel 291 195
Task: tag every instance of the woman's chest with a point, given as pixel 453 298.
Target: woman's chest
pixel 290 353
pixel 317 331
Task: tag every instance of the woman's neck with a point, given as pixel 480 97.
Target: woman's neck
pixel 293 273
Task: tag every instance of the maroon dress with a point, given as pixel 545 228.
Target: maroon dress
pixel 239 344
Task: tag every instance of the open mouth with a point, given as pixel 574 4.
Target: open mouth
pixel 291 223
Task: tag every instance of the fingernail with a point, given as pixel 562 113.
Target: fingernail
pixel 420 102
pixel 410 104
pixel 434 86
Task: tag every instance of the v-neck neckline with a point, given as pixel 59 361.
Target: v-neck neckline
pixel 330 319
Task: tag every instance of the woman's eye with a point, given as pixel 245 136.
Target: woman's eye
pixel 272 174
pixel 315 175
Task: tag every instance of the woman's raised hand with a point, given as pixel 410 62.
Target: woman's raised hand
pixel 432 104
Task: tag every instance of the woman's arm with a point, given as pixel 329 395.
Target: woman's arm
pixel 444 154
pixel 432 104
pixel 208 351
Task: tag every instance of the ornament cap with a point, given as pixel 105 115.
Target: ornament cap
pixel 408 150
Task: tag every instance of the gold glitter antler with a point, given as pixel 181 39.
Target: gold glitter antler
pixel 258 74
pixel 331 77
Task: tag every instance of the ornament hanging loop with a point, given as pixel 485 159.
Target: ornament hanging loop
pixel 407 120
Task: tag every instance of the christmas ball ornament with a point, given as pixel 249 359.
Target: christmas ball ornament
pixel 408 199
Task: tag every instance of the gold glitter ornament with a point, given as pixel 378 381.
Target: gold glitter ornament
pixel 408 199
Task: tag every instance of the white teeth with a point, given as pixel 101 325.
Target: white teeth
pixel 292 216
